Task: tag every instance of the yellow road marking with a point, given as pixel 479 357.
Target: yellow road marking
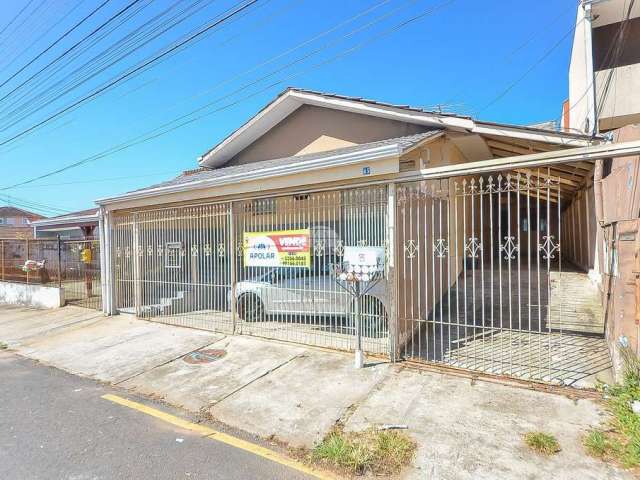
pixel 220 437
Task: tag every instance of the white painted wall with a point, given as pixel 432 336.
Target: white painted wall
pixel 38 296
pixel 622 104
pixel 580 76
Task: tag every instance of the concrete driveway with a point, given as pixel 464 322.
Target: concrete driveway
pixel 296 394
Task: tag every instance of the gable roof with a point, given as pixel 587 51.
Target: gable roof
pixel 283 166
pixel 292 98
pixel 18 212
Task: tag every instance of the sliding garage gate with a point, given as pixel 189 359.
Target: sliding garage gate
pixel 482 281
pixel 188 266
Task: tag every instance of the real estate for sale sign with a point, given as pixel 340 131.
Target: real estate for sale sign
pixel 280 248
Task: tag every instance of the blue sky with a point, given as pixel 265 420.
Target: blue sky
pixel 463 55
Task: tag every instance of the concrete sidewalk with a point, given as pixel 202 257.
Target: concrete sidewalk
pixel 296 394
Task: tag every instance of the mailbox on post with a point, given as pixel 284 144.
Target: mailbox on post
pixel 361 269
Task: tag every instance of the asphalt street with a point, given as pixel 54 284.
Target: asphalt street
pixel 54 425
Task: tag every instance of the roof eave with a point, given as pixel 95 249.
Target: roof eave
pixel 304 165
pixel 291 99
pixel 537 135
pixel 65 221
pixel 589 153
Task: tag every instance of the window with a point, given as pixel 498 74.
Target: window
pixel 607 166
pixel 2 222
pixel 173 255
pixel 624 36
pixel 25 221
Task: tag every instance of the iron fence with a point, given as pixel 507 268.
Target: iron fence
pixel 29 261
pixel 479 278
pixel 484 285
pixel 80 271
pixel 191 266
pixel 73 265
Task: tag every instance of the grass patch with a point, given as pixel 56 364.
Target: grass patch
pixel 598 444
pixel 372 451
pixel 620 442
pixel 543 443
pixel 3 346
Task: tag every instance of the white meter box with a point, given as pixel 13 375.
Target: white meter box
pixel 371 259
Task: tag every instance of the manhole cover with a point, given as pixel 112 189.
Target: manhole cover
pixel 204 356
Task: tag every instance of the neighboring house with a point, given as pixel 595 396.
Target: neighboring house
pixel 465 217
pixel 604 96
pixel 604 73
pixel 16 222
pixel 71 226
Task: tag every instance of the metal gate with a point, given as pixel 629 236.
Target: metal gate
pixel 481 277
pixel 174 265
pixel 187 266
pixel 80 272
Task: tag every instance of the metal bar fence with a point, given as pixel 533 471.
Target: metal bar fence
pixel 481 279
pixel 73 265
pixel 189 266
pixel 80 273
pixel 29 261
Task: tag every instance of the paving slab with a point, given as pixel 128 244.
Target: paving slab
pixel 474 430
pixel 115 348
pixel 300 402
pixel 20 323
pixel 196 386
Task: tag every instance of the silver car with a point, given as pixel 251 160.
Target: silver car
pixel 313 292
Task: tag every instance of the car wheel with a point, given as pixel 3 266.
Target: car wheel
pixel 374 317
pixel 250 308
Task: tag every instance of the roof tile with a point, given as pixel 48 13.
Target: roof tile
pixel 404 143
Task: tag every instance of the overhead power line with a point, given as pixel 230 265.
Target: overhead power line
pixel 101 62
pixel 20 202
pixel 99 180
pixel 160 131
pixel 310 40
pixel 46 32
pixel 73 47
pixel 244 14
pixel 298 60
pixel 533 66
pixel 16 33
pixel 84 99
pixel 53 44
pixel 14 19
